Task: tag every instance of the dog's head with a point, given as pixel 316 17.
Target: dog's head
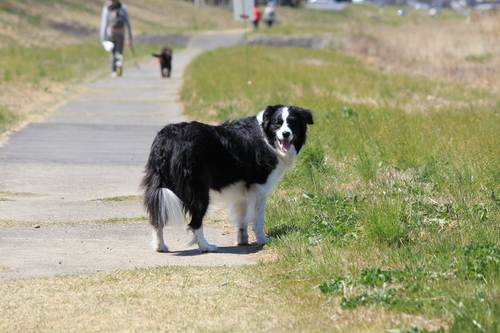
pixel 166 51
pixel 285 127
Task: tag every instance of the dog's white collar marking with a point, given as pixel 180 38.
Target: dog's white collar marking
pixel 260 117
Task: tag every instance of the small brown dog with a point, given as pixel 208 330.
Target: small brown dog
pixel 165 58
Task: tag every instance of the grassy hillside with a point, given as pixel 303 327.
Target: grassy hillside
pixel 61 22
pixel 49 48
pixel 392 211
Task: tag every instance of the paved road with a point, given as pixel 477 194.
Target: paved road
pixel 52 174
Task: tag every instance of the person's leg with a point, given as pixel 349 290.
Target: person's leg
pixel 118 54
pixel 112 55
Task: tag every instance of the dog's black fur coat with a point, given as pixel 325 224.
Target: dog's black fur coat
pixel 190 159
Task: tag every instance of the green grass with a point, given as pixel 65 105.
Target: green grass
pixel 67 63
pixel 419 186
pixel 121 198
pixel 7 119
pixel 60 64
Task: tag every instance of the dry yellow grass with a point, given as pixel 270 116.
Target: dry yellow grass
pixel 460 49
pixel 173 299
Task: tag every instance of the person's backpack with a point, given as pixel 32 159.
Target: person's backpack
pixel 116 18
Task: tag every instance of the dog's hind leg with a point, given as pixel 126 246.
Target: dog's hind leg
pixel 197 207
pixel 163 207
pixel 237 211
pixel 158 241
pixel 154 202
pixel 199 238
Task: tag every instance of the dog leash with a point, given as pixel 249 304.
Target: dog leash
pixel 135 58
pixel 156 62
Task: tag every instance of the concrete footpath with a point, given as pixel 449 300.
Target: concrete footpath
pixel 54 173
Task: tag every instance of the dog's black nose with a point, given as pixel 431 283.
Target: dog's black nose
pixel 286 135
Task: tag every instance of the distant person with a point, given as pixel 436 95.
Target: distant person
pixel 269 14
pixel 165 59
pixel 256 16
pixel 114 19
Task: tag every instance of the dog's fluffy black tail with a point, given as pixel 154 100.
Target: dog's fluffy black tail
pixel 163 206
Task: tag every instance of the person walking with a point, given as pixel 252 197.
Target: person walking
pixel 269 14
pixel 256 16
pixel 114 20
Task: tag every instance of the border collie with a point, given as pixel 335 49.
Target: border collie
pixel 241 160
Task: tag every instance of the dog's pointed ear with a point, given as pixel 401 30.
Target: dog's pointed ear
pixel 305 114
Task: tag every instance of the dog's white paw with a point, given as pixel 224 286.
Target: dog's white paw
pixel 208 248
pixel 262 240
pixel 199 239
pixel 161 248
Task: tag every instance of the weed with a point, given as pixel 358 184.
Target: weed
pixel 375 277
pixel 386 296
pixel 478 261
pixel 386 221
pixel 336 286
pixel 348 112
pixel 335 217
pixel 474 261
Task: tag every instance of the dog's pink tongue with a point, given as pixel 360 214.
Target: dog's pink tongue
pixel 285 145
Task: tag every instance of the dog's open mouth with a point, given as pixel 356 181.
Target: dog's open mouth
pixel 285 145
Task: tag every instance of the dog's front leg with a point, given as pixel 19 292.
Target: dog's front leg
pixel 237 212
pixel 258 227
pixel 199 238
pixel 255 213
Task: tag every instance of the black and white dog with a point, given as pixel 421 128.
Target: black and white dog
pixel 240 160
